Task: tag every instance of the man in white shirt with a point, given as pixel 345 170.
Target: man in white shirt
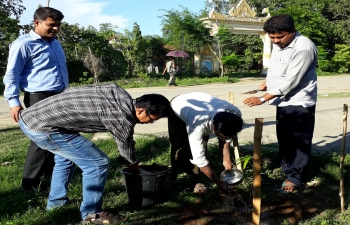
pixel 195 116
pixel 291 85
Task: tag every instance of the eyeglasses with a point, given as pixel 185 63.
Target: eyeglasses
pixel 150 118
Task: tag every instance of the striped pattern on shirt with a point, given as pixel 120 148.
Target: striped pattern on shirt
pixel 94 108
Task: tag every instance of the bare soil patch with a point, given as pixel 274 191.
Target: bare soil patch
pixel 276 207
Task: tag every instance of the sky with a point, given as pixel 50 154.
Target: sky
pixel 122 13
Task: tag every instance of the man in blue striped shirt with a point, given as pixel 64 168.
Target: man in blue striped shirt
pixel 36 66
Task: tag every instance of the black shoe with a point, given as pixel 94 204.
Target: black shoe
pixel 27 189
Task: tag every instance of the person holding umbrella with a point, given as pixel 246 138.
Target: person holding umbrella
pixel 171 68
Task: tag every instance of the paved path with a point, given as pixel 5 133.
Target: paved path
pixel 329 111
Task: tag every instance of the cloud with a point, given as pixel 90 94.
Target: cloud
pixel 82 12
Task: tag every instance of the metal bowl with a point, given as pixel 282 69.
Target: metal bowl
pixel 232 177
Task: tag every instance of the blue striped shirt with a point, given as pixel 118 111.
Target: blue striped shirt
pixel 34 65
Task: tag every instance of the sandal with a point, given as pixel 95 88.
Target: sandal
pixel 289 187
pixel 103 218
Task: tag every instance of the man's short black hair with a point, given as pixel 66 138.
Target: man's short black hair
pixel 228 124
pixel 155 104
pixel 43 13
pixel 279 23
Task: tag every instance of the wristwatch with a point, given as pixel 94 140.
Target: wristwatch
pixel 262 99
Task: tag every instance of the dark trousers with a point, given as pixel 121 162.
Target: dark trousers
pixel 39 163
pixel 295 127
pixel 181 150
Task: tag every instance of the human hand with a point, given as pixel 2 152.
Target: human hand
pixel 252 101
pixel 133 167
pixel 223 186
pixel 263 86
pixel 14 111
pixel 228 165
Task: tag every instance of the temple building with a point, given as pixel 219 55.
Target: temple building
pixel 241 19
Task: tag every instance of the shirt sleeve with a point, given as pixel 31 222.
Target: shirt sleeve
pixel 18 56
pixel 120 123
pixel 127 150
pixel 294 72
pixel 195 138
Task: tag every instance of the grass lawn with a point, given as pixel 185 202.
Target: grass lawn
pixel 316 204
pixel 335 95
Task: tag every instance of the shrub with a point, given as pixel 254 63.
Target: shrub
pixel 342 58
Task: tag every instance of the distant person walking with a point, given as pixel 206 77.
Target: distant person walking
pixel 291 85
pixel 36 66
pixel 171 68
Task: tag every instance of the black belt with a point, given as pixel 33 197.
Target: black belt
pixel 43 92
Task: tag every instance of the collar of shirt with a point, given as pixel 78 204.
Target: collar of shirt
pixel 37 36
pixel 292 44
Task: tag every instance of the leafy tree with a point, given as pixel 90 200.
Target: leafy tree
pixel 338 13
pixel 223 41
pixel 220 6
pixel 70 36
pixel 132 46
pixel 231 61
pixel 325 63
pixel 154 50
pixel 342 58
pixel 88 44
pixel 137 50
pixel 183 30
pixel 9 27
pixel 100 47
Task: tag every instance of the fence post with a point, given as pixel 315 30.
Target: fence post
pixel 257 171
pixel 342 157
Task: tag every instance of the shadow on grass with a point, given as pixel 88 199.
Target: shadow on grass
pixel 8 129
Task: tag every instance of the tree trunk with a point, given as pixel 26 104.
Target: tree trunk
pixel 130 69
pixel 218 58
pixel 93 66
pixel 220 62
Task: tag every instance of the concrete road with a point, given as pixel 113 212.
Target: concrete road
pixel 329 111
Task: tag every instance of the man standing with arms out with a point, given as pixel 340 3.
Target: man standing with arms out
pixel 195 116
pixel 291 85
pixel 36 66
pixel 54 125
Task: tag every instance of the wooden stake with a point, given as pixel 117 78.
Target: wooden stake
pixel 236 150
pixel 231 98
pixel 342 157
pixel 257 171
pixel 235 139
